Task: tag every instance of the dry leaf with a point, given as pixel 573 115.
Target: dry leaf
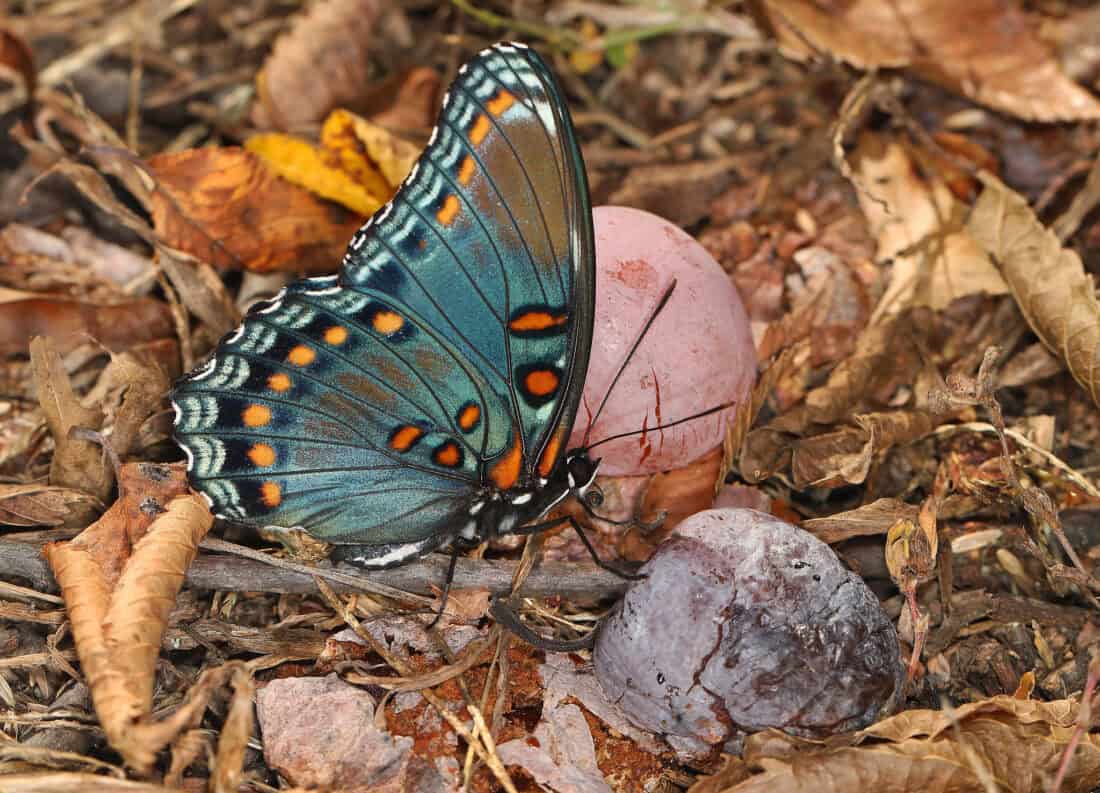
pixel 17 72
pixel 832 458
pixel 866 521
pixel 42 505
pixel 916 220
pixel 409 101
pixel 363 145
pixel 1048 281
pixel 70 323
pixel 224 206
pixel 77 463
pixel 680 192
pixel 118 617
pixel 985 49
pixel 1017 743
pixel 320 64
pixel 358 164
pixel 876 357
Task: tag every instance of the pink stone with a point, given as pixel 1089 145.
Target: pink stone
pixel 698 353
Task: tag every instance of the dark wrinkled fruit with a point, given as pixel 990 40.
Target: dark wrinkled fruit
pixel 746 622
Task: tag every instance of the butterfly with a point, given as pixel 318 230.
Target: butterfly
pixel 424 395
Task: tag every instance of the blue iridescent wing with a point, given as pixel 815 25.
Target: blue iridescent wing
pixel 448 355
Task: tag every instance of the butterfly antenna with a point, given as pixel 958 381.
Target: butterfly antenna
pixel 692 417
pixel 626 361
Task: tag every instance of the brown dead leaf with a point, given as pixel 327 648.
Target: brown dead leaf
pixel 1016 743
pixel 322 63
pixel 875 358
pixel 409 101
pixel 42 505
pixel 737 429
pixel 17 71
pixel 917 221
pixel 867 521
pixel 119 613
pixel 681 192
pixel 1048 281
pixel 131 388
pixel 70 323
pixel 224 206
pixel 832 458
pixel 144 491
pixel 200 288
pixel 987 50
pixel 77 463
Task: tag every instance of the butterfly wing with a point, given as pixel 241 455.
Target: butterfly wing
pixel 448 355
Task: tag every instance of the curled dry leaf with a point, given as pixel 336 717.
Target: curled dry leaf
pixel 320 64
pixel 984 49
pixel 357 164
pixel 845 455
pixel 224 206
pixel 70 323
pixel 905 195
pixel 118 619
pixel 1018 743
pixel 1047 280
pixel 869 520
pixel 77 463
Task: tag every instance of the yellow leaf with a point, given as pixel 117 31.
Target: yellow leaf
pixel 365 149
pixel 584 60
pixel 299 162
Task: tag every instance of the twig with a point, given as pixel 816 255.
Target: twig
pixel 248 574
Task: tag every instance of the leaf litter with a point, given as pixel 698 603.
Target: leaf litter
pixel 919 276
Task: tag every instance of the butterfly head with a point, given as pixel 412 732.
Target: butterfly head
pixel 580 473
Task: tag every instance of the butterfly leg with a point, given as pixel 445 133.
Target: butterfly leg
pixel 535 528
pixel 455 550
pixel 506 615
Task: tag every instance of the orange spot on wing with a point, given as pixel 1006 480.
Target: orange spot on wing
pixel 447 455
pixel 449 211
pixel 336 335
pixel 301 355
pixel 505 472
pixel 387 322
pixel 404 437
pixel 468 417
pixel 541 382
pixel 256 416
pixel 549 455
pixel 501 102
pixel 261 455
pixel 279 382
pixel 537 320
pixel 479 129
pixel 466 170
pixel 271 494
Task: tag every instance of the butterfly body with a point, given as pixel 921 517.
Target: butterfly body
pixel 424 394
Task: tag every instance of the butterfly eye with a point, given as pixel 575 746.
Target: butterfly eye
pixel 593 497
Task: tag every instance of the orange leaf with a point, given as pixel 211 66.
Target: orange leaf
pixel 224 206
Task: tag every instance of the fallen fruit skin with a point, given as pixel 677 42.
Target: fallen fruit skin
pixel 746 622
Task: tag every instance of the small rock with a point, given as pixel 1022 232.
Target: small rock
pixel 319 732
pixel 745 622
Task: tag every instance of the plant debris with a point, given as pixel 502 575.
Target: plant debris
pixel 914 245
